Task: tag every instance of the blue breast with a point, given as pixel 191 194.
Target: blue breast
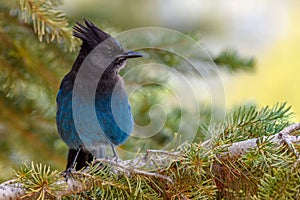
pixel 114 116
pixel 113 113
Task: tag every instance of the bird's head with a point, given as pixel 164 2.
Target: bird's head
pixel 110 48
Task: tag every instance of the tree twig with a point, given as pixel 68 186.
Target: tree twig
pixel 284 136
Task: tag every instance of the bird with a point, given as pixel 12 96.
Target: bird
pixel 110 103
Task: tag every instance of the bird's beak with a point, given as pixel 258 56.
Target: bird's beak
pixel 130 54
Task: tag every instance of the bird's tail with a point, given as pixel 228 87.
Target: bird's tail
pixel 79 158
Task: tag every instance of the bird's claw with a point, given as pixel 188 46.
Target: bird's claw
pixel 68 173
pixel 116 159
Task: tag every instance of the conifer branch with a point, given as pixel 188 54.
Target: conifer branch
pixel 48 22
pixel 232 61
pixel 284 136
pixel 161 163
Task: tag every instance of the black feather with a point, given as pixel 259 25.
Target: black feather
pixel 82 159
pixel 90 34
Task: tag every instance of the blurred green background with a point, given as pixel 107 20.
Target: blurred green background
pixel 31 71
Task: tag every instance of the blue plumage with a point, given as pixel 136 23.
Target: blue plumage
pixel 64 119
pixel 111 104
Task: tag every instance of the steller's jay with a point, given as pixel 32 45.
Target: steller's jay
pixel 113 112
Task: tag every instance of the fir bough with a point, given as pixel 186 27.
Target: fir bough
pixel 234 62
pixel 209 170
pixel 48 22
pixel 279 183
pixel 40 181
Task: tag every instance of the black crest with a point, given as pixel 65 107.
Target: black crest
pixel 90 34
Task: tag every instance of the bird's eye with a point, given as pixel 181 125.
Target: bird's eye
pixel 110 51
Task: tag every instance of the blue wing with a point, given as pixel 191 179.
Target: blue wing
pixel 64 119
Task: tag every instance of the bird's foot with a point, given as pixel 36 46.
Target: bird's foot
pixel 115 155
pixel 116 159
pixel 68 173
pixel 113 159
